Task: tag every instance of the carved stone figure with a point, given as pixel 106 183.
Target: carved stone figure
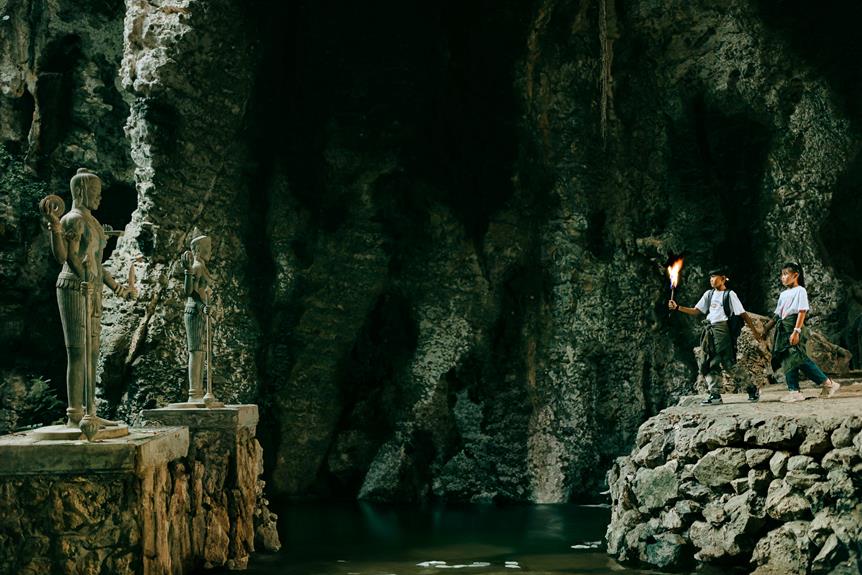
pixel 197 289
pixel 78 242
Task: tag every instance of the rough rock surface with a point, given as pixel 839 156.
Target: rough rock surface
pixel 746 495
pixel 449 283
pixel 203 510
pixel 228 513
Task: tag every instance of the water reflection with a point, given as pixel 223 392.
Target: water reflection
pixel 365 539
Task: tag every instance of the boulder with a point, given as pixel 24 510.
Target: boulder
pixel 671 521
pixel 619 527
pixel 721 466
pixel 778 463
pixel 785 504
pixel 694 490
pixel 723 431
pixel 759 480
pixel 779 432
pixel 669 550
pixel 714 513
pixel 817 442
pixel 687 509
pixel 829 554
pixel 740 485
pixel 840 484
pixel 758 457
pixel 785 549
pixel 801 480
pixel 843 435
pixel 803 463
pixel 652 453
pixel 840 457
pixel 655 488
pixel 740 518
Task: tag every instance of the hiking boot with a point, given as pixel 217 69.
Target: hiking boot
pixel 753 392
pixel 793 397
pixel 830 388
pixel 712 399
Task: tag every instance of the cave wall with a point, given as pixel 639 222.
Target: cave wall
pixel 61 108
pixel 440 231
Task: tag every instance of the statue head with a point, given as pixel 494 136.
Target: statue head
pixel 86 189
pixel 202 247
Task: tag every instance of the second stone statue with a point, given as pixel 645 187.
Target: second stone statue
pixel 197 286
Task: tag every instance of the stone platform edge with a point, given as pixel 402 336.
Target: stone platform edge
pixel 227 417
pixel 21 454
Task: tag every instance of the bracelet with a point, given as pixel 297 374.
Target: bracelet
pixel 797 329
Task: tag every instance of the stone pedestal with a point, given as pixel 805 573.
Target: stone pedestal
pixel 112 506
pixel 224 461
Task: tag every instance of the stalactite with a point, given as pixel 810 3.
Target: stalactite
pixel 607 34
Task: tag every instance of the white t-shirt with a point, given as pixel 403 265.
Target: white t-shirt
pixel 791 301
pixel 715 309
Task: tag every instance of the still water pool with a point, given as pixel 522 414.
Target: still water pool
pixel 363 539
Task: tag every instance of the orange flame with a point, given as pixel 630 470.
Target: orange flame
pixel 673 272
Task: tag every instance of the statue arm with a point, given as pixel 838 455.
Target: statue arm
pixel 109 280
pixel 73 230
pixel 58 242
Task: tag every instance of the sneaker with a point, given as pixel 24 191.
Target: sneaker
pixel 714 399
pixel 793 397
pixel 753 393
pixel 830 388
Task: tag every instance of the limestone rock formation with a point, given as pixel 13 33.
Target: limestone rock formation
pixel 443 253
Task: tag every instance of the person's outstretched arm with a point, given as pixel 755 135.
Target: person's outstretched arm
pixel 673 306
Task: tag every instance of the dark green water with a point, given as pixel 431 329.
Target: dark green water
pixel 365 539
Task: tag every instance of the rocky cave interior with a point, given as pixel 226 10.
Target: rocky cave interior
pixel 442 268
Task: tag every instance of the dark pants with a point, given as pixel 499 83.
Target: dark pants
pixel 810 369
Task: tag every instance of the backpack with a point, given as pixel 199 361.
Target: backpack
pixel 734 322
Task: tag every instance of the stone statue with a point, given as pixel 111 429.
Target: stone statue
pixel 197 289
pixel 77 242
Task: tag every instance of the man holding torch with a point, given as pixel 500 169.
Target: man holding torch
pixel 717 339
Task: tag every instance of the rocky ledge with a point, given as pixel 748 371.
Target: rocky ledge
pixel 767 487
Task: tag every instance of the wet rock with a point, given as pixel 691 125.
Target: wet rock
pixel 721 466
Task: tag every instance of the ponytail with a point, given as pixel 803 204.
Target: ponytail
pixel 797 268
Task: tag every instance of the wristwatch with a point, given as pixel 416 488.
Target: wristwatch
pixel 797 329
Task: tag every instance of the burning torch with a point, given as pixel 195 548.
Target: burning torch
pixel 673 273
